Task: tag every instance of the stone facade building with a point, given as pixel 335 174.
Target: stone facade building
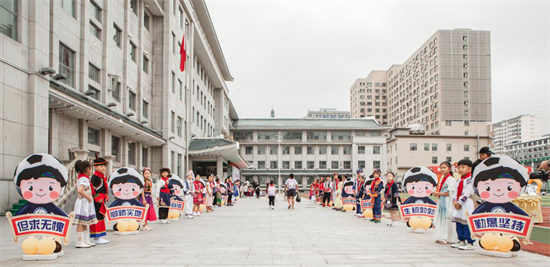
pixel 79 77
pixel 328 113
pixel 309 148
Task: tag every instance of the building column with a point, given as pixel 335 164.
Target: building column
pixel 80 154
pixel 219 168
pixel 109 160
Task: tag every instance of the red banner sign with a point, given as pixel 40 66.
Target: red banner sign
pixel 40 224
pixel 177 205
pixel 127 212
pixel 420 210
pixel 509 223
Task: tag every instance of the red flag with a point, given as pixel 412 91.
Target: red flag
pixel 183 54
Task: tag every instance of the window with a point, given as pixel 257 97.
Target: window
pixel 466 147
pixel 173 82
pixel 144 156
pixel 376 164
pixel 434 160
pixel 311 164
pixel 297 164
pixel 95 30
pixel 173 160
pixel 273 150
pixel 145 109
pixel 133 6
pixel 8 18
pixel 426 147
pixel 96 94
pixel 292 135
pixel 448 123
pixel 322 150
pixel 173 43
pixel 66 64
pixel 132 153
pixel 118 36
pixel 361 149
pixel 310 150
pixel 340 135
pixel 179 126
pixel 347 150
pixel 178 164
pixel 266 135
pixel 286 165
pixel 242 135
pixel 347 164
pixel 261 164
pixel 434 147
pixel 96 11
pixel 180 17
pixel 361 164
pixel 316 135
pixel 334 165
pixel 248 150
pixel 334 150
pixel 376 150
pixel 146 20
pixel 273 164
pixel 116 91
pixel 449 147
pixel 145 64
pixel 322 165
pixel 413 146
pixel 69 6
pixel 93 73
pixel 132 100
pixel 173 122
pixel 180 89
pixel 261 150
pixel 286 150
pixel 449 159
pixel 93 136
pixel 115 148
pixel 133 51
pixel 297 150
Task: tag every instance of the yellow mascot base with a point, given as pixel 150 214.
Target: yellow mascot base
pixel 126 227
pixel 41 250
pixel 501 246
pixel 174 215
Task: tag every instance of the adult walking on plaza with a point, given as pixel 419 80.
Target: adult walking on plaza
pixel 291 189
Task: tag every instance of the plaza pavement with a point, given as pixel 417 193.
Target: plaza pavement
pixel 249 234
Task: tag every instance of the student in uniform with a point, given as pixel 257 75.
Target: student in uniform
pixel 391 198
pixel 463 202
pixel 188 190
pixel 100 194
pixel 445 232
pixel 197 196
pixel 84 210
pixel 210 186
pixel 359 192
pixel 164 195
pixel 327 191
pixel 376 196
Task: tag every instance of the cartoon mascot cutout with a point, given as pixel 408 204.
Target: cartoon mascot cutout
pixel 177 204
pixel 499 180
pixel 126 185
pixel 419 209
pixel 41 179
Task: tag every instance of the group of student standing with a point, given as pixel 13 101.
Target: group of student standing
pixel 93 194
pixel 455 195
pixel 332 191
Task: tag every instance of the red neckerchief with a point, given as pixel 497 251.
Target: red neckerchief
pixel 461 185
pixel 442 182
pixel 374 183
pixel 165 189
pixel 102 176
pixel 199 184
pixel 389 188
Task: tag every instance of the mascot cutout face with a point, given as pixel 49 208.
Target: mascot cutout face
pixel 499 180
pixel 40 179
pixel 419 182
pixel 126 184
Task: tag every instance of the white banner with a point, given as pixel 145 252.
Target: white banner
pixel 236 174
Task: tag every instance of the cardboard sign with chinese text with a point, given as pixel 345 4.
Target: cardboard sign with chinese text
pixel 177 205
pixel 500 222
pixel 420 210
pixel 349 201
pixel 127 212
pixel 40 224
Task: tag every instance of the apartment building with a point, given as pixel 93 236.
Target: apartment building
pixel 520 129
pixel 369 97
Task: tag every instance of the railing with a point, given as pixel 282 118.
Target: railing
pixel 70 188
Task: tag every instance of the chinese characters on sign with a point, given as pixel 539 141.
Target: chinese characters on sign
pixel 421 210
pixel 44 224
pixel 348 201
pixel 366 204
pixel 127 212
pixel 176 205
pixel 514 224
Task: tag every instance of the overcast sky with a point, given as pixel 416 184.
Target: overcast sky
pixel 300 55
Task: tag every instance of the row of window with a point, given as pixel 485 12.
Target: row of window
pixel 322 150
pixel 311 165
pixel 94 138
pixel 449 147
pixel 297 135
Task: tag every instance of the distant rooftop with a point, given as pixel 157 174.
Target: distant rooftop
pixel 308 123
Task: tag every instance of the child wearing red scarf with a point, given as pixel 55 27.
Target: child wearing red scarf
pixel 376 198
pixel 100 194
pixel 463 203
pixel 197 195
pixel 165 193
